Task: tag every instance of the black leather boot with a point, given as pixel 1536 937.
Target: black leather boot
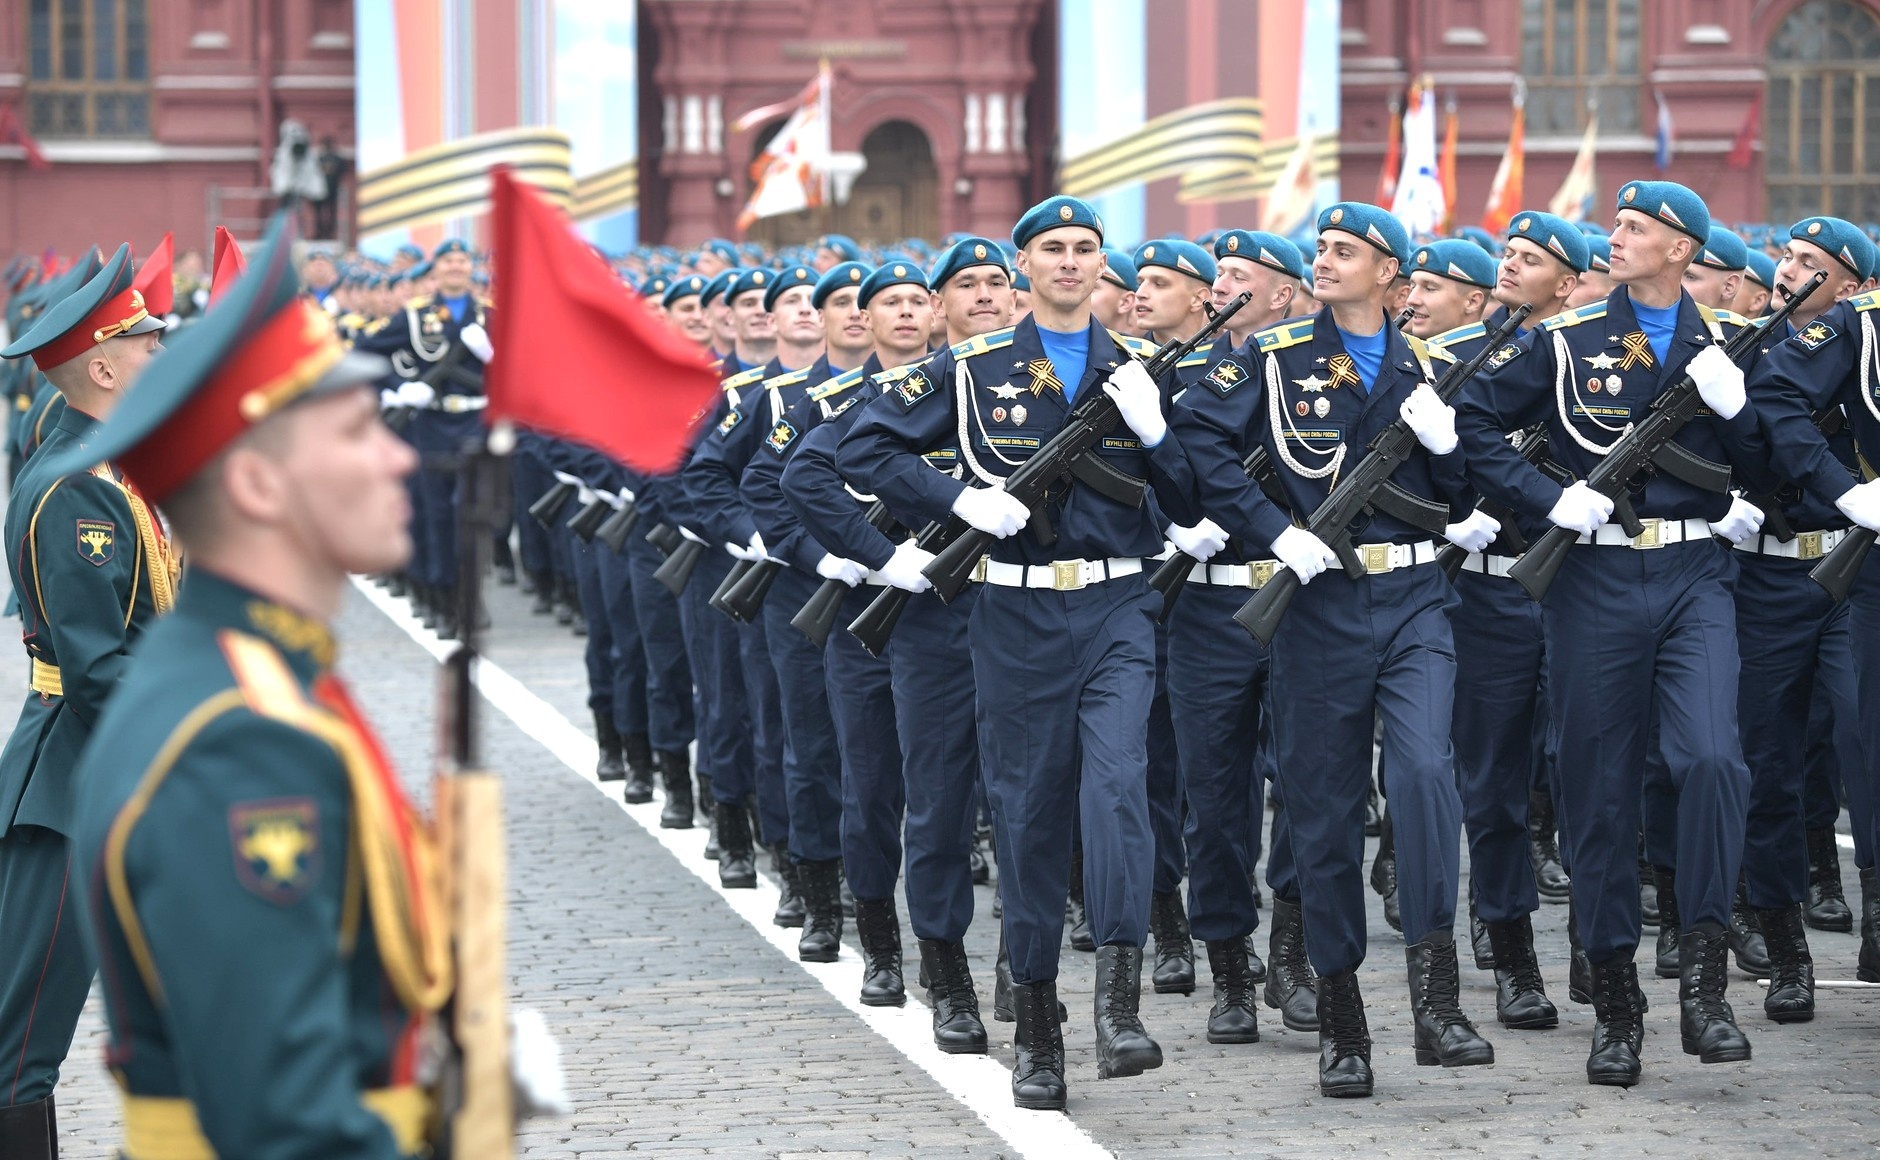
pixel 675 774
pixel 1384 871
pixel 1550 878
pixel 1290 988
pixel 1868 970
pixel 1444 1034
pixel 737 859
pixel 637 753
pixel 1670 922
pixel 1002 986
pixel 1174 945
pixel 1038 1049
pixel 790 912
pixel 704 794
pixel 1579 969
pixel 1647 895
pixel 568 606
pixel 1479 944
pixel 1520 995
pixel 1791 994
pixel 1618 1034
pixel 29 1131
pixel 957 1029
pixel 1373 817
pixel 1234 1018
pixel 1074 916
pixel 503 564
pixel 1745 938
pixel 1123 1044
pixel 822 923
pixel 1827 905
pixel 976 859
pixel 1344 1038
pixel 1705 1022
pixel 543 585
pixel 613 763
pixel 879 928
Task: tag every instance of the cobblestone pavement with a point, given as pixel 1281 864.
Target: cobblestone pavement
pixel 687 1031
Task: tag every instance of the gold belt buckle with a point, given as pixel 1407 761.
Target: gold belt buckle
pixel 1067 575
pixel 1260 573
pixel 1376 558
pixel 979 569
pixel 1808 545
pixel 1652 536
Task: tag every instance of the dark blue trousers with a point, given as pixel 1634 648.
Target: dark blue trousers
pixel 725 752
pixel 1351 652
pixel 1864 634
pixel 1628 631
pixel 1217 685
pixel 529 480
pixel 428 491
pixel 812 763
pixel 670 720
pixel 769 739
pixel 599 654
pixel 448 435
pixel 45 969
pixel 1822 791
pixel 931 660
pixel 630 681
pixel 1065 680
pixel 1165 779
pixel 1794 643
pixel 861 700
pixel 1498 667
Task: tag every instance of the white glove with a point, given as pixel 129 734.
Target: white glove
pixel 415 394
pixel 1581 509
pixel 1743 520
pixel 1475 533
pixel 1433 420
pixel 388 398
pixel 1303 552
pixel 751 552
pixel 1200 541
pixel 836 568
pixel 541 1088
pixel 758 551
pixel 1861 503
pixel 693 536
pixel 1719 381
pixel 992 510
pixel 903 568
pixel 1140 402
pixel 478 340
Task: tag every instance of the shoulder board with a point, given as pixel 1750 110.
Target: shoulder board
pixel 1419 348
pixel 419 303
pixel 1285 335
pixel 377 325
pixel 1134 345
pixel 743 379
pixel 786 379
pixel 1198 358
pixel 1732 317
pixel 351 318
pixel 1462 333
pixel 265 681
pixel 1867 301
pixel 981 343
pixel 1576 316
pixel 835 386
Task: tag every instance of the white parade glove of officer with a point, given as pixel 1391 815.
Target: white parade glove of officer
pixel 832 567
pixel 1201 541
pixel 1719 382
pixel 1475 533
pixel 1303 552
pixel 1861 503
pixel 1581 509
pixel 1140 402
pixel 1743 520
pixel 388 398
pixel 752 552
pixel 1433 420
pixel 416 394
pixel 992 510
pixel 478 340
pixel 693 536
pixel 904 567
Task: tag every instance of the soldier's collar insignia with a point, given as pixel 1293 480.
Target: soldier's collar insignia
pixel 276 846
pixel 292 632
pixel 97 542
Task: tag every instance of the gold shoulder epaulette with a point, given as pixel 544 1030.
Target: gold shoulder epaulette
pixel 743 379
pixel 376 325
pixel 981 343
pixel 1576 316
pixel 1867 301
pixel 1284 335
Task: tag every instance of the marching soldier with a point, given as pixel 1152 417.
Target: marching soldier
pixel 92 569
pixel 1450 286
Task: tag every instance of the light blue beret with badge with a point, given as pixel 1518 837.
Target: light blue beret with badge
pixel 724 251
pixel 1262 249
pixel 1119 269
pixel 1843 241
pixel 1761 269
pixel 1598 254
pixel 1671 203
pixel 753 279
pixel 835 278
pixel 1457 259
pixel 890 274
pixel 1723 250
pixel 1482 238
pixel 1053 213
pixel 841 245
pixel 788 278
pixel 1554 234
pixel 1177 254
pixel 965 253
pixel 720 284
pixel 1371 224
pixel 684 287
pixel 451 246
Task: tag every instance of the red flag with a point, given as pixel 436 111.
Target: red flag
pixel 14 133
pixel 1745 145
pixel 153 279
pixel 227 264
pixel 577 354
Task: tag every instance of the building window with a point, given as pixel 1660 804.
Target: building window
pixel 1821 129
pixel 1574 53
pixel 88 68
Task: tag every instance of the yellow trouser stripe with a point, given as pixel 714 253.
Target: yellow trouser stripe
pixel 160 1128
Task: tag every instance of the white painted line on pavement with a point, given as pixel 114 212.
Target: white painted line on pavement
pixel 979 1082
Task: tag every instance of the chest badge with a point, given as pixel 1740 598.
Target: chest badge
pixel 1601 361
pixel 1005 391
pixel 1322 406
pixel 1019 413
pixel 1614 384
pixel 998 414
pixel 1344 371
pixel 1638 351
pixel 1303 407
pixel 1312 384
pixel 1043 376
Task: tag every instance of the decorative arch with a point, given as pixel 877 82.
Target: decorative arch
pixel 1821 111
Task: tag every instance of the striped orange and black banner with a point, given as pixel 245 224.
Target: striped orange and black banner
pixel 453 179
pixel 1216 137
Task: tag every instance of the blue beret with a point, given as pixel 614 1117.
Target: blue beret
pixel 421 270
pixel 410 251
pixel 748 279
pixel 1482 238
pixel 835 278
pixel 891 274
pixel 720 284
pixel 1598 254
pixel 955 238
pixel 788 278
pixel 1761 269
pixel 451 246
pixel 1177 254
pixel 1373 225
pixel 1457 259
pixel 686 287
pixel 1723 250
pixel 720 249
pixel 964 254
pixel 1054 212
pixel 1842 239
pixel 841 245
pixel 1262 248
pixel 1120 269
pixel 1554 234
pixel 1670 203
pixel 752 251
pixel 1207 238
pixel 1020 282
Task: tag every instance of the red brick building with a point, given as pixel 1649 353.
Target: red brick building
pixel 160 114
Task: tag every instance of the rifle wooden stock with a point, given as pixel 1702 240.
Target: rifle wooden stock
pixel 548 506
pixel 677 571
pixel 615 529
pixel 1841 567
